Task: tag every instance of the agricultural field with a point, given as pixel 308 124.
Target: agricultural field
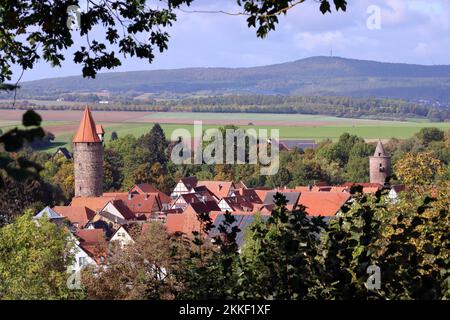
pixel 63 124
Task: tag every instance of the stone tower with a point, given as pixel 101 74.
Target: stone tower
pixel 380 165
pixel 88 158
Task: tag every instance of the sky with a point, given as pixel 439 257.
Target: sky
pixel 409 31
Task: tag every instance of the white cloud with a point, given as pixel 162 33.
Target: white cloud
pixel 310 41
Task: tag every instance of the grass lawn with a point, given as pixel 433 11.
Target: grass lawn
pixel 331 129
pixel 317 133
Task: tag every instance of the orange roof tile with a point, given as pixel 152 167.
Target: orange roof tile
pixel 323 203
pixel 91 236
pixel 148 188
pixel 93 203
pixel 99 129
pixel 97 251
pixel 78 215
pixel 140 203
pixel 175 222
pixel 220 189
pixel 86 131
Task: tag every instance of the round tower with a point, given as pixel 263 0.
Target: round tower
pixel 380 165
pixel 88 159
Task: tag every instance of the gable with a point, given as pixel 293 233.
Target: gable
pixel 113 210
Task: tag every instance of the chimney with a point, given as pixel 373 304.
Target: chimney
pixel 130 196
pixel 309 187
pixel 146 196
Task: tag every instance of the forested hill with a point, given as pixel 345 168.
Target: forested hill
pixel 312 76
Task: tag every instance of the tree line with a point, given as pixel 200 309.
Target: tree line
pixel 376 108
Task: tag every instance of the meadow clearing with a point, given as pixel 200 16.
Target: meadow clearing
pixel 63 124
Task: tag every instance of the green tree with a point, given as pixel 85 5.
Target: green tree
pixel 34 257
pixel 279 260
pixel 428 135
pixel 140 270
pixel 155 142
pixel 418 171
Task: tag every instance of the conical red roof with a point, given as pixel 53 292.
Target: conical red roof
pixel 86 131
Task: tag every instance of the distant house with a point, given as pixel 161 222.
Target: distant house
pixel 144 188
pixel 109 222
pixel 119 210
pixel 63 151
pixel 50 214
pixel 220 189
pixel 367 187
pixel 94 203
pixel 324 204
pixel 122 236
pixel 183 200
pixel 395 191
pixel 237 203
pixel 187 222
pixel 93 242
pixel 298 144
pixel 78 216
pixel 81 257
pixel 291 197
pixel 184 186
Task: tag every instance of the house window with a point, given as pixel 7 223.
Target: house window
pixel 82 261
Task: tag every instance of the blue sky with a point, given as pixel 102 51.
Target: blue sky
pixel 411 31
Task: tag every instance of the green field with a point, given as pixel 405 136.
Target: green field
pixel 326 128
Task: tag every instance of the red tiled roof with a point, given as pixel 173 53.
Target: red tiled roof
pixel 399 188
pixel 123 209
pixel 323 203
pixel 76 215
pixel 148 188
pixel 367 186
pixel 189 182
pixel 141 203
pixel 93 203
pixel 175 222
pixel 220 189
pixel 239 203
pixel 262 193
pixel 96 251
pixel 204 207
pixel 113 194
pixel 99 129
pixel 86 131
pixel 251 195
pixel 91 236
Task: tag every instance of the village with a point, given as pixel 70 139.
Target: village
pixel 98 219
